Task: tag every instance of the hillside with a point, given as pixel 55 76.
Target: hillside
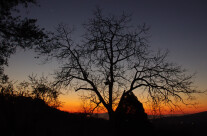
pixel 24 116
pixel 189 125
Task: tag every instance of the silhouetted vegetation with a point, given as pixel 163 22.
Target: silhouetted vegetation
pixel 36 88
pixel 23 116
pixel 114 57
pixel 130 116
pixel 44 90
pixel 16 31
pixel 111 62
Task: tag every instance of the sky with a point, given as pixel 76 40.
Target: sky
pixel 176 25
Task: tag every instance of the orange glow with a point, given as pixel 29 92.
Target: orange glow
pixel 183 110
pixel 72 103
pixel 75 106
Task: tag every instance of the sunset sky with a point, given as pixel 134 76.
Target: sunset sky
pixel 177 25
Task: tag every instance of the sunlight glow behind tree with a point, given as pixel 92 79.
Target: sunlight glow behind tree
pixel 114 59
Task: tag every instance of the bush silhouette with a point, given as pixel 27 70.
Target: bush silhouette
pixel 130 116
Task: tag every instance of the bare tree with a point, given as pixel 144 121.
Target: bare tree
pixel 37 88
pixel 114 58
pixel 44 90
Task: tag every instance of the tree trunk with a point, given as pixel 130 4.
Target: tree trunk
pixel 111 115
pixel 112 122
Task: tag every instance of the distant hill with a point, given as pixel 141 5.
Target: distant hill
pixel 189 125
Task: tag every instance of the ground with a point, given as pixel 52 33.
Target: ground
pixel 27 116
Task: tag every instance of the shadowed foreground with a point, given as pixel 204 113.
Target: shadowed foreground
pixel 32 117
pixel 186 125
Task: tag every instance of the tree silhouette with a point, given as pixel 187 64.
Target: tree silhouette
pixel 44 90
pixel 37 89
pixel 114 59
pixel 16 31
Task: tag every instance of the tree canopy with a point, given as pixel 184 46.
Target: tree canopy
pixel 16 31
pixel 114 58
